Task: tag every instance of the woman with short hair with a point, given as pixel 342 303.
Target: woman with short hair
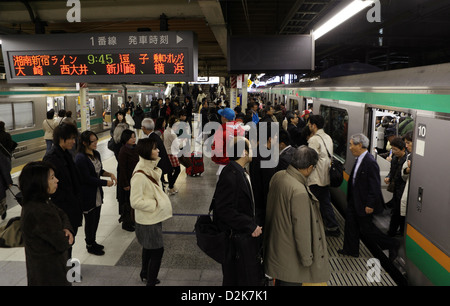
pixel 152 206
pixel 46 229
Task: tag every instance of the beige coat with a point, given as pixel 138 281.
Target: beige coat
pixel 151 203
pixel 48 126
pixel 295 247
pixel 321 176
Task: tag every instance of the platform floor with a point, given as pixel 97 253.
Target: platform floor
pixel 183 264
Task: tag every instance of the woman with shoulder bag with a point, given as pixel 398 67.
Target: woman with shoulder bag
pixel 152 206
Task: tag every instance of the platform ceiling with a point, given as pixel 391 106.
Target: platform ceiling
pixel 415 32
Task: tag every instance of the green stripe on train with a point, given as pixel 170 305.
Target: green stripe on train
pixel 435 103
pixel 40 133
pixel 436 273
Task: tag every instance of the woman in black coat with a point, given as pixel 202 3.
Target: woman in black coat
pixel 45 228
pixel 90 166
pixel 128 158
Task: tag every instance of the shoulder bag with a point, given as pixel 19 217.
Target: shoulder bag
pixel 336 169
pixel 148 176
pixel 210 239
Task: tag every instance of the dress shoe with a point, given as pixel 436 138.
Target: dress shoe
pixel 345 253
pixel 98 246
pixel 144 279
pixel 93 250
pixel 129 228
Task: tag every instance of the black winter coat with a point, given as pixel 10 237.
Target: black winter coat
pixel 234 211
pixel 68 195
pixel 260 178
pixel 234 207
pixel 46 244
pixel 138 117
pixel 90 182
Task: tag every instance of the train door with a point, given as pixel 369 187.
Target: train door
pixel 383 126
pixel 106 110
pixel 428 213
pixel 308 104
pixel 294 103
pixel 342 119
pixel 57 103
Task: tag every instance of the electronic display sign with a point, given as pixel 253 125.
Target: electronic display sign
pixel 278 54
pixel 101 58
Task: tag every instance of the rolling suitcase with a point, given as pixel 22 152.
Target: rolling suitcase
pixel 197 167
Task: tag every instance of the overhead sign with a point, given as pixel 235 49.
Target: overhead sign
pixel 101 57
pixel 282 53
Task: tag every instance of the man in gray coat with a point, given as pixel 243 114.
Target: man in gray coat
pixel 295 247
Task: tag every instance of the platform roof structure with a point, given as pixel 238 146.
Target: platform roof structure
pixel 410 32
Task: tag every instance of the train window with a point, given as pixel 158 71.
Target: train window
pixel 336 125
pixel 6 115
pixel 49 103
pixel 17 115
pixel 23 115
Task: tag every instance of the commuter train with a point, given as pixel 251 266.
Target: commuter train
pixel 23 108
pixel 350 105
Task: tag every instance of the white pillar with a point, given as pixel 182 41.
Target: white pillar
pixel 244 92
pixel 85 119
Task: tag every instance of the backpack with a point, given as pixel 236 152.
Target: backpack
pixel 11 234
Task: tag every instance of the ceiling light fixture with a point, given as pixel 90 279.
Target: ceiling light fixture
pixel 346 13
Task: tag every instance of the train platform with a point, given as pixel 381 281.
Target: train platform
pixel 183 264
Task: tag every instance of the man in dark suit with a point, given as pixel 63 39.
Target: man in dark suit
pixel 364 198
pixel 234 213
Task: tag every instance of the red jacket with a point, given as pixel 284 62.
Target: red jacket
pixel 230 130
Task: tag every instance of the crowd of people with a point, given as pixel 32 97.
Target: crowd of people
pixel 277 217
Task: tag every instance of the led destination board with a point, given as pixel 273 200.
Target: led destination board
pixel 99 64
pixel 113 57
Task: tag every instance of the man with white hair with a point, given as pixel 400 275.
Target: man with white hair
pixel 364 199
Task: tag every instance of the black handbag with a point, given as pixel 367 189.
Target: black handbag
pixel 336 169
pixel 111 144
pixel 210 239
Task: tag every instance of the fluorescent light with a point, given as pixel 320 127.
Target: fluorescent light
pixel 0 41
pixel 349 11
